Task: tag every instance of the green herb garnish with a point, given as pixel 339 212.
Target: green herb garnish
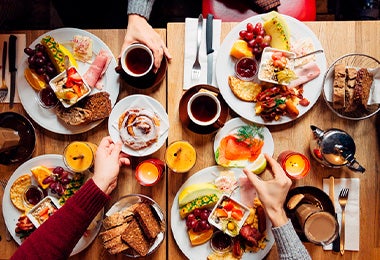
pixel 248 132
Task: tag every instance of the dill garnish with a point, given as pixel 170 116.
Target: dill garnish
pixel 248 132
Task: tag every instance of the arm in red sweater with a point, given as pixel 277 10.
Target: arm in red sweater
pixel 57 237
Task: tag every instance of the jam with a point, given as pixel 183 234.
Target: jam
pixel 246 68
pixel 33 195
pixel 47 98
pixel 221 242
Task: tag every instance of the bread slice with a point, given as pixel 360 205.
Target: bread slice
pixel 339 85
pixel 113 232
pixel 116 245
pixel 99 104
pixel 134 237
pixel 74 115
pixel 147 220
pixel 117 219
pixel 363 84
pixel 349 90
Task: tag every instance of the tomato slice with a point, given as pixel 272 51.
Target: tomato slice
pixel 237 214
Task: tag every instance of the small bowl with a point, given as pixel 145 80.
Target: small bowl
pixel 32 196
pixel 220 243
pixel 246 68
pixel 47 98
pixel 58 81
pixel 353 60
pixel 48 201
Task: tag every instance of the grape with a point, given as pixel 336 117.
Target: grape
pixel 197 227
pixel 197 212
pixel 65 181
pixel 191 216
pixel 203 225
pixel 249 36
pixel 204 215
pixel 29 51
pixel 242 34
pixel 250 27
pixel 48 179
pixel 58 170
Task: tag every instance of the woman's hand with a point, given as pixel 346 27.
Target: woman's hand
pixel 139 30
pixel 108 160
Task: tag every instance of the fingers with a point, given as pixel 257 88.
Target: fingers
pixel 277 170
pixel 255 180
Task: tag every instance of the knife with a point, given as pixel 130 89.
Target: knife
pixel 12 67
pixel 4 62
pixel 209 49
pixel 336 242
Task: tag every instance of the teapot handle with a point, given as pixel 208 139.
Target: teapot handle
pixel 355 166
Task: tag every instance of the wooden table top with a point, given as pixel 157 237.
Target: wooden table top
pixel 337 38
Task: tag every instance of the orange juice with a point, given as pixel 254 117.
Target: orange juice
pixel 149 172
pixel 180 156
pixel 295 165
pixel 79 156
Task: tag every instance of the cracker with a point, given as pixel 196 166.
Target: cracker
pixel 244 90
pixel 17 190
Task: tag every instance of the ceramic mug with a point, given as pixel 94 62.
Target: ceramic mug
pixel 204 108
pixel 137 60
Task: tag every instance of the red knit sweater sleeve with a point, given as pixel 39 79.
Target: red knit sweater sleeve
pixel 57 237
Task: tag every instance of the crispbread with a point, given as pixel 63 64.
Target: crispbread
pixel 349 90
pixel 17 190
pixel 244 90
pixel 116 245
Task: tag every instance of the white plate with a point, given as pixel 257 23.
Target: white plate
pixel 11 213
pixel 142 101
pixel 179 228
pixel 225 68
pixel 233 125
pixel 47 118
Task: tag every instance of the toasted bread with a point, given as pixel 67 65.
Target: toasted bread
pixel 349 90
pixel 117 219
pixel 244 90
pixel 339 85
pixel 74 115
pixel 147 220
pixel 113 232
pixel 99 104
pixel 362 87
pixel 116 245
pixel 134 237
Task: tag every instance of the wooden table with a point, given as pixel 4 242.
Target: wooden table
pixel 337 38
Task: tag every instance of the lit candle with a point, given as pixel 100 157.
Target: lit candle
pixel 149 172
pixel 295 165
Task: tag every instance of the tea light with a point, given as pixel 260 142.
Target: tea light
pixel 295 165
pixel 149 172
pixel 180 156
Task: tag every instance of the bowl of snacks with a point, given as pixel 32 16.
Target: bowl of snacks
pixel 70 87
pixel 351 86
pixel 43 210
pixel 228 215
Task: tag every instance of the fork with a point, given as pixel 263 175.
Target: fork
pixel 3 87
pixel 196 70
pixel 3 183
pixel 343 196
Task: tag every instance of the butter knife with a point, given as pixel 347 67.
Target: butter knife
pixel 336 242
pixel 209 49
pixel 12 67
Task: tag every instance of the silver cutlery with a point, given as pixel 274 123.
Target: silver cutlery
pixel 196 70
pixel 3 87
pixel 209 49
pixel 335 244
pixel 343 196
pixel 3 183
pixel 12 68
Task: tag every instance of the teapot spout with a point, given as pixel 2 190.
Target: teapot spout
pixel 318 133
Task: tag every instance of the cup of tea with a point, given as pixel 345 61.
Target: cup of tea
pixel 319 227
pixel 204 108
pixel 137 60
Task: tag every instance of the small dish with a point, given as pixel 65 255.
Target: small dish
pixel 246 68
pixel 228 215
pixel 47 98
pixel 267 72
pixel 357 61
pixel 43 210
pixel 220 243
pixel 68 95
pixel 185 119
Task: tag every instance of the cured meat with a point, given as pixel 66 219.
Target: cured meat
pixel 97 69
pixel 247 191
pixel 304 74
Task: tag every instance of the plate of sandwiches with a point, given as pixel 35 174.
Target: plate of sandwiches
pixel 351 86
pixel 96 65
pixel 133 226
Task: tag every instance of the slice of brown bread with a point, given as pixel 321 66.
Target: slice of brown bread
pixel 74 115
pixel 147 220
pixel 113 232
pixel 350 87
pixel 116 245
pixel 339 84
pixel 134 237
pixel 363 84
pixel 99 104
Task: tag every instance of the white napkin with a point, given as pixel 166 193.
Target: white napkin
pixel 352 210
pixel 374 94
pixel 20 46
pixel 191 25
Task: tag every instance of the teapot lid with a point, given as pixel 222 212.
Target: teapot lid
pixel 337 146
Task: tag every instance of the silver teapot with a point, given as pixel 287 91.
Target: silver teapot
pixel 334 148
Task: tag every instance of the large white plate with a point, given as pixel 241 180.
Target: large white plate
pixel 142 101
pixel 234 124
pixel 11 213
pixel 178 225
pixel 225 67
pixel 47 118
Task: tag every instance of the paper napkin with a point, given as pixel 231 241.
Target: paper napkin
pixel 191 25
pixel 20 46
pixel 352 210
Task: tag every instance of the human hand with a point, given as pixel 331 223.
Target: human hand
pixel 272 193
pixel 108 160
pixel 139 30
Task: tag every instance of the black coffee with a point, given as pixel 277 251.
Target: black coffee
pixel 203 108
pixel 138 60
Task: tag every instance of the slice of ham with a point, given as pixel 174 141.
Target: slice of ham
pixel 304 74
pixel 97 69
pixel 247 191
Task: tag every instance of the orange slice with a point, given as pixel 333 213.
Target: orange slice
pixel 40 173
pixel 198 238
pixel 241 49
pixel 35 80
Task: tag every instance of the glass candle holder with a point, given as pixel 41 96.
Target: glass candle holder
pixel 149 172
pixel 295 164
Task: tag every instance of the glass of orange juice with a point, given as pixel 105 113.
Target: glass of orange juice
pixel 79 156
pixel 149 172
pixel 295 164
pixel 180 156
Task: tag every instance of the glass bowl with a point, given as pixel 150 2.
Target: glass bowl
pixel 357 61
pixel 246 68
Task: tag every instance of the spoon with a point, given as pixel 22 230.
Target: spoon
pixel 307 54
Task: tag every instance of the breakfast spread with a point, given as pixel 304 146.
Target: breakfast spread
pixel 139 127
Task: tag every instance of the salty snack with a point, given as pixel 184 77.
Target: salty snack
pixel 17 190
pixel 82 48
pixel 244 90
pixel 139 127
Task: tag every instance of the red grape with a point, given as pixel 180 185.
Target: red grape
pixel 250 27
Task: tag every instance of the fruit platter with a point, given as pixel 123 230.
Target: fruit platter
pixel 283 88
pixel 217 204
pixel 37 189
